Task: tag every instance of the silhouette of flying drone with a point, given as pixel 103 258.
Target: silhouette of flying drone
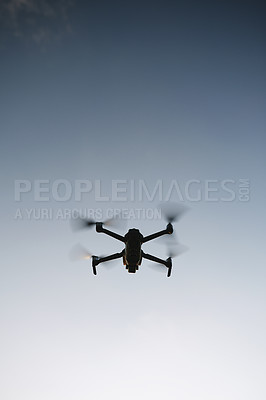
pixel 132 254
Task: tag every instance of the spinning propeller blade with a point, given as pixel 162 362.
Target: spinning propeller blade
pixel 175 250
pixel 173 211
pixel 79 223
pixel 79 252
pixel 117 222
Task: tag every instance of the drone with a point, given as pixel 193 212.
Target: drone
pixel 132 254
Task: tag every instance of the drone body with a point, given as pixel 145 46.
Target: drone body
pixel 132 254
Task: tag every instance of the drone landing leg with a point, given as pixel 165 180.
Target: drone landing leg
pixel 167 263
pixel 98 260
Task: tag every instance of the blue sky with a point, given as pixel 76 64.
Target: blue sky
pixel 132 91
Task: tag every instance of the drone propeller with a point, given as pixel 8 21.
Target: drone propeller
pixel 79 252
pixel 174 249
pixel 173 211
pixel 79 223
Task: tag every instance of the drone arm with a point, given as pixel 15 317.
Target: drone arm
pixel 167 263
pixel 168 231
pixel 98 260
pixel 109 258
pixel 153 258
pixel 100 229
pixel 154 236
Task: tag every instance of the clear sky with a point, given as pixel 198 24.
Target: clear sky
pixel 170 92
